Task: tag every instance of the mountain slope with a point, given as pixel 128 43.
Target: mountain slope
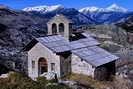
pixel 113 7
pixel 126 24
pixel 71 13
pixel 84 16
pixel 108 15
pixel 17 28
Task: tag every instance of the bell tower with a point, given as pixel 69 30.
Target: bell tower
pixel 60 25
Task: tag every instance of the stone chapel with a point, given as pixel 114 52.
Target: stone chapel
pixel 64 51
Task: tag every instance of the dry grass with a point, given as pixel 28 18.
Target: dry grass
pixel 117 83
pixel 86 80
pixel 121 83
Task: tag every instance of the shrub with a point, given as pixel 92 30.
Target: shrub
pixel 18 81
pixel 121 83
pixel 53 81
pixel 42 81
pixel 18 77
pixel 22 81
pixel 4 80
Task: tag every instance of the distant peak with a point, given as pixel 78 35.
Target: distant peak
pixel 44 7
pixel 115 7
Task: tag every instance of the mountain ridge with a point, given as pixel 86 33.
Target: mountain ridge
pixel 71 13
pixel 113 7
pixel 84 16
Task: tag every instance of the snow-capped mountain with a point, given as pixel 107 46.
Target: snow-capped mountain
pixel 88 15
pixel 44 9
pixel 113 7
pixel 107 15
pixel 50 11
pixel 116 8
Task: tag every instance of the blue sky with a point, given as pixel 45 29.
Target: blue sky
pixel 20 4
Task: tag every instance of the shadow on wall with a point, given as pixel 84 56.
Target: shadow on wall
pixel 105 72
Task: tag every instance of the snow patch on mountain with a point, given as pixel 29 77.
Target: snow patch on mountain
pixel 108 15
pixel 113 7
pixel 88 15
pixel 44 9
pixel 91 9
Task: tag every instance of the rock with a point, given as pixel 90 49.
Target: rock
pixel 4 76
pixel 74 84
pixel 49 75
pixel 69 83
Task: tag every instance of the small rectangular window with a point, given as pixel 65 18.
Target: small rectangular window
pixel 33 64
pixel 52 66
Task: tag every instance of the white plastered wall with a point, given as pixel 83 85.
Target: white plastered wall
pixel 37 52
pixel 80 66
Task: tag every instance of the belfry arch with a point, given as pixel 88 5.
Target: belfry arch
pixel 59 24
pixel 61 28
pixel 54 28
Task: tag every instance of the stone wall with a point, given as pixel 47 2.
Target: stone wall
pixel 39 51
pixel 81 66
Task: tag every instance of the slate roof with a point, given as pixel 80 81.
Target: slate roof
pixel 87 42
pixel 85 48
pixel 95 55
pixel 56 43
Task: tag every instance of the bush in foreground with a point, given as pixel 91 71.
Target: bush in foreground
pixel 22 81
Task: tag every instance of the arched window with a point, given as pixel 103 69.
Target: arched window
pixel 42 66
pixel 54 28
pixel 61 28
